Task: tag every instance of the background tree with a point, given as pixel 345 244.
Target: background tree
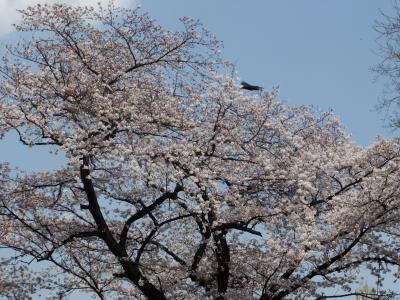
pixel 389 68
pixel 178 184
pixel 366 292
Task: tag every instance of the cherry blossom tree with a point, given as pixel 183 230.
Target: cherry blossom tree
pixel 178 183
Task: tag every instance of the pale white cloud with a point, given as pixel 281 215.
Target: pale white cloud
pixel 9 14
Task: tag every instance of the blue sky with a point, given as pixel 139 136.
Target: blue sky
pixel 318 52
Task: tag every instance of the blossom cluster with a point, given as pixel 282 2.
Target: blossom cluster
pixel 178 183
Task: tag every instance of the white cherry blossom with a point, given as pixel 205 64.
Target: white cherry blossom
pixel 179 184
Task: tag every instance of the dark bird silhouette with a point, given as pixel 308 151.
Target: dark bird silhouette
pixel 249 87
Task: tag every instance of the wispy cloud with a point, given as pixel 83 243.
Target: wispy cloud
pixel 9 14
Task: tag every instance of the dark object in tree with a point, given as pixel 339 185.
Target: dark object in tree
pixel 249 87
